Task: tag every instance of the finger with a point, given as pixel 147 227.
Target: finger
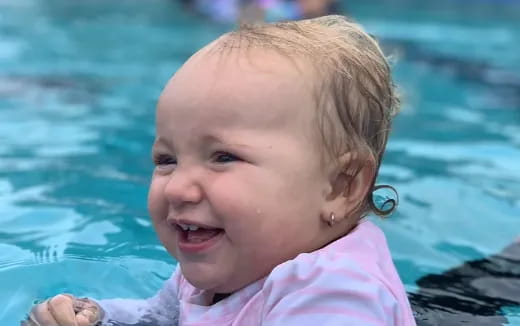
pixel 83 321
pixel 92 306
pixel 86 317
pixel 62 311
pixel 79 305
pixel 40 315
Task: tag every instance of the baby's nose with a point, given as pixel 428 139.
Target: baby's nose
pixel 183 187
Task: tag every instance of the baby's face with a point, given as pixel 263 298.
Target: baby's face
pixel 238 163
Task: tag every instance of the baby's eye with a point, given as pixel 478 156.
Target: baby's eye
pixel 223 157
pixel 163 159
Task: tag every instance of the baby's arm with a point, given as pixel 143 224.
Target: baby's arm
pixel 65 310
pixel 161 309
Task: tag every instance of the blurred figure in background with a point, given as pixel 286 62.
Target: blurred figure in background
pixel 251 11
pixel 316 8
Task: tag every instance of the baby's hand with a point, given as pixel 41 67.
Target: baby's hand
pixel 65 310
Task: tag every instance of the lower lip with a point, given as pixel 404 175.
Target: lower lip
pixel 197 247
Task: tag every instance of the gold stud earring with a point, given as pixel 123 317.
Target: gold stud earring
pixel 332 220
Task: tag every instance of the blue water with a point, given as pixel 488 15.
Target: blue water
pixel 78 85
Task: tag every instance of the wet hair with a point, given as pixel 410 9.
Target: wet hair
pixel 355 95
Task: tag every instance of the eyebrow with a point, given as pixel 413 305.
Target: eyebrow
pixel 216 139
pixel 161 142
pixel 165 143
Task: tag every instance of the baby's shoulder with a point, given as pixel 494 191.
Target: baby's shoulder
pixel 360 260
pixel 352 277
pixel 334 287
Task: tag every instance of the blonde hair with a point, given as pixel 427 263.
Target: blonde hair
pixel 354 84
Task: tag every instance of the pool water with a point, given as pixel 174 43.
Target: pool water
pixel 78 85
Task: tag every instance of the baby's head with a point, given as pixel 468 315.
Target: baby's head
pixel 268 144
pixel 352 88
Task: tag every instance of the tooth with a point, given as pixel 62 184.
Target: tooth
pixel 193 228
pixel 184 226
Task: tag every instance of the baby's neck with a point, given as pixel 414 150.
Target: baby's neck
pixel 219 297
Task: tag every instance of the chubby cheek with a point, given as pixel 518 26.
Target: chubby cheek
pixel 249 207
pixel 157 203
pixel 259 206
pixel 158 210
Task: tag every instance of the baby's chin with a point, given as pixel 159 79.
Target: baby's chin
pixel 211 288
pixel 212 284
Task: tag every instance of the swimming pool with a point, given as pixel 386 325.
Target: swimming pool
pixel 78 85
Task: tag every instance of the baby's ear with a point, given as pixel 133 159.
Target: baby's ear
pixel 350 182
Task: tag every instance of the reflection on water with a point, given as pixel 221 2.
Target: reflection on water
pixel 77 91
pixel 474 293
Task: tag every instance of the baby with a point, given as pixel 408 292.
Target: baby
pixel 268 144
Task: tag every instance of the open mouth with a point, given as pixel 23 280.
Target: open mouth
pixel 193 238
